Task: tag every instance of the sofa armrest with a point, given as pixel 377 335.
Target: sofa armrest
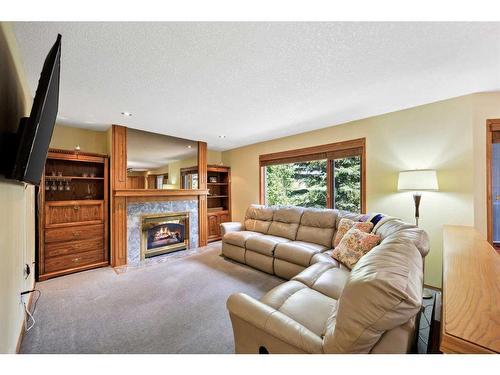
pixel 273 322
pixel 232 226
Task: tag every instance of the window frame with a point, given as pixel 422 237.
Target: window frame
pixel 330 152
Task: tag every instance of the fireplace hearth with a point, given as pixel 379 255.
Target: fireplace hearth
pixel 164 233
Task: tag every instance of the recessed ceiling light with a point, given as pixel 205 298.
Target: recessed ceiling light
pixel 189 146
pixel 222 136
pixel 128 114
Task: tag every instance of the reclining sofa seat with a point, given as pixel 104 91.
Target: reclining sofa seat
pixel 325 307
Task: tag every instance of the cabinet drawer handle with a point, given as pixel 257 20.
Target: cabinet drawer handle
pixel 76 234
pixel 76 208
pixel 76 259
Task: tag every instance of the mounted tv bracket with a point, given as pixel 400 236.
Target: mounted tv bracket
pixel 8 148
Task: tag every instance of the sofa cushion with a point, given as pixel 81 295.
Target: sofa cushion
pixel 286 222
pixel 326 278
pixel 239 238
pixel 264 244
pixel 306 306
pixel 383 291
pixel 354 245
pixel 390 226
pixel 346 224
pixel 258 218
pixel 298 252
pixel 348 215
pixel 317 226
pixel 324 257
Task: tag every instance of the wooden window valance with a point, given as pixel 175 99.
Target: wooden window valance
pixel 329 151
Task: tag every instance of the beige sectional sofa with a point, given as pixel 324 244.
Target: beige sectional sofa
pixel 325 307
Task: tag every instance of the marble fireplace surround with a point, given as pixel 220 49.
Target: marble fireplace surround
pixel 135 210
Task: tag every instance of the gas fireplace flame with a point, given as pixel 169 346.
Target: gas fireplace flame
pixel 165 233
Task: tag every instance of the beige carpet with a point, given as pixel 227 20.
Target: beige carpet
pixel 176 306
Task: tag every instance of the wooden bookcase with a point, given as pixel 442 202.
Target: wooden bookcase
pixel 218 198
pixel 72 214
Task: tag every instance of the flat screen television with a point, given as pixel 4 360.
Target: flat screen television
pixel 35 132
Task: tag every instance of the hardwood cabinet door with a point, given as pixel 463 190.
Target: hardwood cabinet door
pixel 213 226
pixel 91 212
pixel 62 213
pixel 224 218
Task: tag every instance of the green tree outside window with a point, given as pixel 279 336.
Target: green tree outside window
pixel 305 184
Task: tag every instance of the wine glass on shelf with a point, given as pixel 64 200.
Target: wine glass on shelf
pixel 67 187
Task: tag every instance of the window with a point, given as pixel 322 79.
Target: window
pixel 323 176
pixel 296 184
pixel 346 175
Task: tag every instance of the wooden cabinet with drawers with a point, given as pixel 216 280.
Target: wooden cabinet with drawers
pixel 72 214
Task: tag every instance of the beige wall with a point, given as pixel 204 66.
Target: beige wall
pixel 448 136
pixel 214 157
pixel 66 138
pixel 17 219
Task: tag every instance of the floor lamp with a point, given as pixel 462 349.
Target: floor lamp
pixel 417 181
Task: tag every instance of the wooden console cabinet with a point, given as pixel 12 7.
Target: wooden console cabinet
pixel 72 214
pixel 471 293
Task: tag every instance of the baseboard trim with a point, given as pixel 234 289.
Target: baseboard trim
pixel 23 325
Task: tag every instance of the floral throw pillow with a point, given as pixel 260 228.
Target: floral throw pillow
pixel 346 224
pixel 354 245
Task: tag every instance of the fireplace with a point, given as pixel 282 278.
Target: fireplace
pixel 164 233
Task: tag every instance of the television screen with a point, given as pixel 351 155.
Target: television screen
pixel 35 132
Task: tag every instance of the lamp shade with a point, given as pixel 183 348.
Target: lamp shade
pixel 417 180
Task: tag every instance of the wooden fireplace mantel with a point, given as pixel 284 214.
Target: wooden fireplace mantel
pixel 159 192
pixel 121 196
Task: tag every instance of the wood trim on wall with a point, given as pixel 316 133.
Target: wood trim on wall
pixel 202 199
pixel 327 151
pixel 262 185
pixel 119 235
pixel 363 176
pixel 329 190
pixel 118 177
pixel 492 127
pixel 119 154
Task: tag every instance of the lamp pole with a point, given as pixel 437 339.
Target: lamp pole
pixel 416 198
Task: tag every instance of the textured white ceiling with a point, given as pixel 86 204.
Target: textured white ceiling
pixel 257 81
